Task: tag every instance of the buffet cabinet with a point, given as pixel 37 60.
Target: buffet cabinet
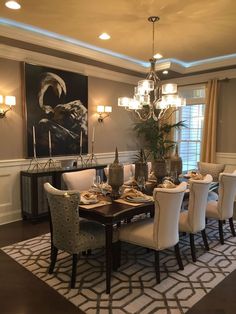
pixel 33 198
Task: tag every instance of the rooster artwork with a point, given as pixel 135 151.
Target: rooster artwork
pixel 56 101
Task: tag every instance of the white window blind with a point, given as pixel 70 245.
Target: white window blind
pixel 189 138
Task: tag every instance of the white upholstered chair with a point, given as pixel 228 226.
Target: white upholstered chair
pixel 193 219
pixel 210 168
pixel 223 208
pixel 160 232
pixel 68 232
pixel 79 180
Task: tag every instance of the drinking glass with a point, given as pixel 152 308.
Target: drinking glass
pixel 96 181
pixel 141 182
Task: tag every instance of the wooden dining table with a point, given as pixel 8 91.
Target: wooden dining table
pixel 109 215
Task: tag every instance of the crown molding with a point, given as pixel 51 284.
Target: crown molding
pixel 32 35
pixel 32 57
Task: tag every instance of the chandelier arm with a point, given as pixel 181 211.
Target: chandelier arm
pixel 144 117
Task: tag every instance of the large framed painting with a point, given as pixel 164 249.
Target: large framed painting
pixel 56 111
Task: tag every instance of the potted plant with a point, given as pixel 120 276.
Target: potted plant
pixel 156 135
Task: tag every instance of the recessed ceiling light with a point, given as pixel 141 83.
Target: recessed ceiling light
pixel 14 5
pixel 158 56
pixel 104 36
pixel 165 72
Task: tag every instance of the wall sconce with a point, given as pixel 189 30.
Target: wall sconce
pixel 103 112
pixel 8 101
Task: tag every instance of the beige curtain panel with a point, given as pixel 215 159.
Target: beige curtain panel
pixel 208 149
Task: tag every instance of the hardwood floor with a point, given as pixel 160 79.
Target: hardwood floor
pixel 21 292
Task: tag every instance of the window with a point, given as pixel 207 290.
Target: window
pixel 189 138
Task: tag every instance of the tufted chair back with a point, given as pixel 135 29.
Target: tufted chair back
pixel 227 192
pixel 64 212
pixel 209 168
pixel 79 180
pixel 197 203
pixel 166 219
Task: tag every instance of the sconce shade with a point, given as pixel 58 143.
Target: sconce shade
pixel 1 99
pixel 10 100
pixel 100 108
pixel 108 108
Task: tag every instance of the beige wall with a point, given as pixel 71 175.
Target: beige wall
pixel 115 131
pixel 226 130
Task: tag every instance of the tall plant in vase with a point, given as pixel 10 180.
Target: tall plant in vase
pixel 157 139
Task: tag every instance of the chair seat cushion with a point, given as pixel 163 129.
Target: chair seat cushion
pixel 183 222
pixel 138 232
pixel 212 211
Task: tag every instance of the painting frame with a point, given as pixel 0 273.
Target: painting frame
pixel 56 111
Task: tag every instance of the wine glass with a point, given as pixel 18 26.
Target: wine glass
pixel 141 182
pixel 96 181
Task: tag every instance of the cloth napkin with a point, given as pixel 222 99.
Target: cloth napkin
pixel 135 195
pixel 99 204
pixel 88 198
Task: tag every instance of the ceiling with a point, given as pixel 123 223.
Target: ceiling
pixel 188 30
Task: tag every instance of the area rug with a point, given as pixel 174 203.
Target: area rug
pixel 133 287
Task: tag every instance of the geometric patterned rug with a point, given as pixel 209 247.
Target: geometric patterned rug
pixel 133 286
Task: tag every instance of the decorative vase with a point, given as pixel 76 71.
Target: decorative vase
pixel 176 162
pixel 116 176
pixel 141 167
pixel 159 169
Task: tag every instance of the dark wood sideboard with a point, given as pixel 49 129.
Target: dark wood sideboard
pixel 33 199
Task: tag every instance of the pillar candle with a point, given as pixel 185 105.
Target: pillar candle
pixel 93 137
pixel 81 139
pixel 34 141
pixel 49 142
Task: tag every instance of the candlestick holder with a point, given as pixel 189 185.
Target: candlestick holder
pixel 34 164
pixel 80 161
pixel 91 157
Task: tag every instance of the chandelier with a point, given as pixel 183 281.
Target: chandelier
pixel 151 98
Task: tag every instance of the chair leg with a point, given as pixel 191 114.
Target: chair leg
pixel 178 257
pixel 192 246
pixel 54 252
pixel 204 237
pixel 157 266
pixel 221 234
pixel 231 223
pixel 206 220
pixel 74 268
pixel 116 252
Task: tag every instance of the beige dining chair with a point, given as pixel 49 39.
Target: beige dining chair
pixel 223 208
pixel 79 180
pixel 68 232
pixel 210 168
pixel 160 232
pixel 193 220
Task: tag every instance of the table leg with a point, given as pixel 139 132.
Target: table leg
pixel 109 231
